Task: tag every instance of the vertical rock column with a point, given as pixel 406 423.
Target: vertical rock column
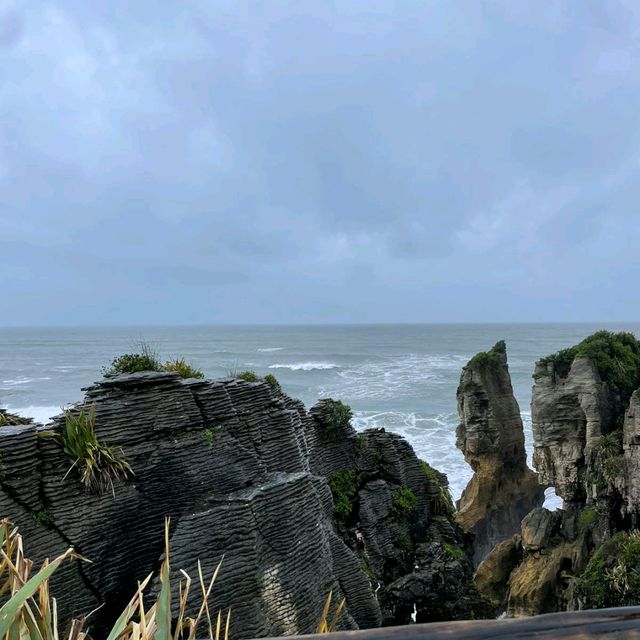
pixel 491 437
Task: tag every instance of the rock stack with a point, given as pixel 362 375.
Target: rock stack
pixel 491 436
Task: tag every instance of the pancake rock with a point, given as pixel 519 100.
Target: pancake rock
pixel 491 436
pixel 586 436
pixel 246 472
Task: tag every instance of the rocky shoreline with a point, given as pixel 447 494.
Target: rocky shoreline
pixel 300 504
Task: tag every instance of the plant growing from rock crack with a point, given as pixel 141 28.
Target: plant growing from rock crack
pixel 344 488
pixel 42 518
pixel 612 577
pixel 209 435
pixel 404 502
pixel 453 552
pixel 29 613
pixel 99 464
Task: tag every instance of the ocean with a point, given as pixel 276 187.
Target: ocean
pixel 400 377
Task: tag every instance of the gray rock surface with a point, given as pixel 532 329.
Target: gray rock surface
pixel 491 436
pixel 569 416
pixel 243 471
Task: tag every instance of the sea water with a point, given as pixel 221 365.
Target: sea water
pixel 400 377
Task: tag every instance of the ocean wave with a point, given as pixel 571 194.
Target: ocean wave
pixel 270 349
pixel 305 366
pixel 404 376
pixel 16 382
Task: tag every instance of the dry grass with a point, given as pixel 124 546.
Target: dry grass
pixel 329 622
pixel 30 613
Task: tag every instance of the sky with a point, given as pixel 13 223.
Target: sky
pixel 319 162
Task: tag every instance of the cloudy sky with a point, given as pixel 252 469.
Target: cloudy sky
pixel 266 161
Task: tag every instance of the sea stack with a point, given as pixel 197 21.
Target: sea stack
pixel 491 437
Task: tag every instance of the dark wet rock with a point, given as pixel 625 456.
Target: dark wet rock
pixel 244 471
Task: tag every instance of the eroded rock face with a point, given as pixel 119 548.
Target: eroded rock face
pixel 569 416
pixel 631 462
pixel 243 471
pixel 401 526
pixel 491 436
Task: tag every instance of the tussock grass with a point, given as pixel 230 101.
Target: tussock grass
pixel 99 464
pixel 30 613
pixel 146 358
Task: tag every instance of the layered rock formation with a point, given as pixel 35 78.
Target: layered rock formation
pixel 247 472
pixel 586 437
pixel 491 436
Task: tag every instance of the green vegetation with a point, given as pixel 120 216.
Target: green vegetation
pixel 402 543
pixel 209 435
pixel 181 366
pixel 404 502
pixel 612 577
pixel 344 487
pixel 443 504
pixel 336 416
pixel 248 376
pixel 587 518
pixel 453 552
pixel 360 445
pixel 29 612
pixel 613 467
pixel 42 518
pixel 616 356
pixel 147 359
pixel 489 360
pixel 271 380
pixel 99 464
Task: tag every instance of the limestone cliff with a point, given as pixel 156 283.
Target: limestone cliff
pixel 586 436
pixel 244 471
pixel 491 436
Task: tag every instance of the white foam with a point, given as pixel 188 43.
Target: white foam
pixel 270 349
pixel 305 366
pixel 15 382
pixel 39 414
pixel 552 501
pixel 388 379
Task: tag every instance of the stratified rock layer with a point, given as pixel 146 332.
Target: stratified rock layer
pixel 242 470
pixel 491 436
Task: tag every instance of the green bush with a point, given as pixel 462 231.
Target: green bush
pixel 42 518
pixel 344 488
pixel 489 360
pixel 271 380
pixel 248 376
pixel 612 577
pixel 147 359
pixel 453 552
pixel 404 502
pixel 587 518
pixel 209 435
pixel 616 356
pixel 336 416
pixel 181 366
